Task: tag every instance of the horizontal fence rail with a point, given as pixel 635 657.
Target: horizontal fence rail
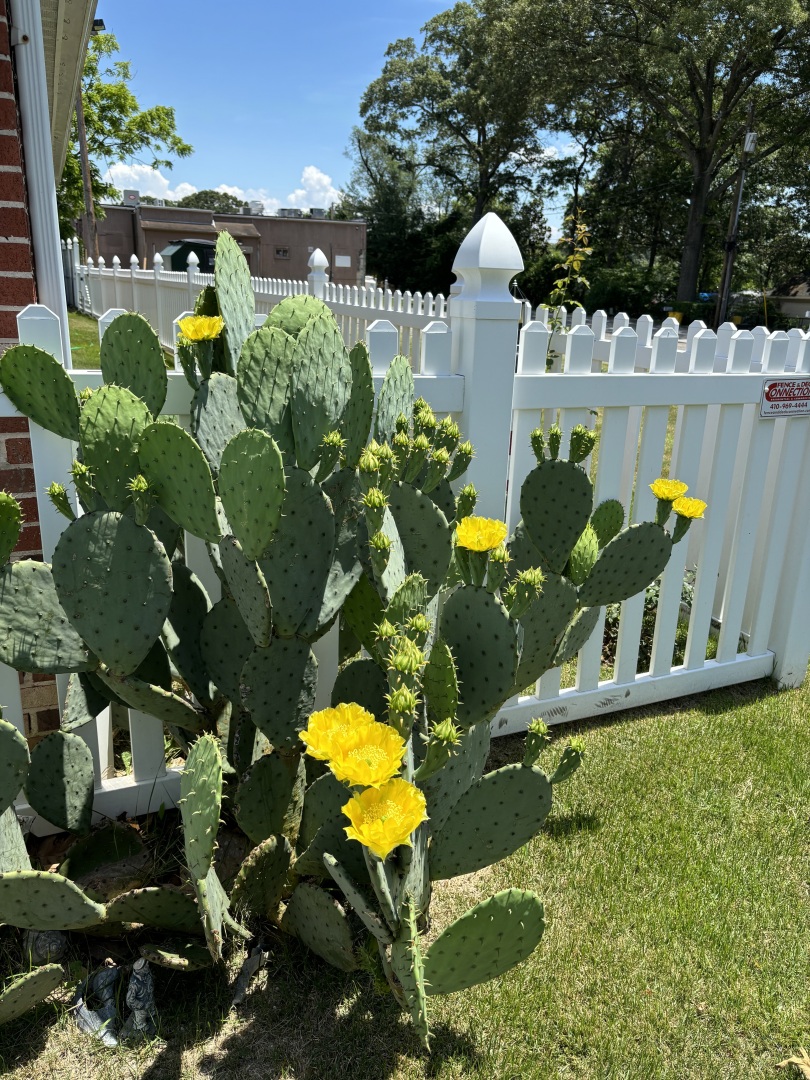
pixel 665 403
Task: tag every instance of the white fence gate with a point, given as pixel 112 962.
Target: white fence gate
pixel 751 552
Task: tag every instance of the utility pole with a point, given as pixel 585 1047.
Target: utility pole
pixel 749 145
pixel 89 230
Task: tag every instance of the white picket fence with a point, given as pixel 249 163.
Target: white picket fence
pixel 751 553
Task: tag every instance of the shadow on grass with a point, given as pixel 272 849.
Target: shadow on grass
pixel 302 1019
pixel 559 827
pixel 23 1040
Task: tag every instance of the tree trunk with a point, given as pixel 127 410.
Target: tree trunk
pixel 695 234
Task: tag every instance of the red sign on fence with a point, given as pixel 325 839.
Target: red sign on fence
pixel 785 397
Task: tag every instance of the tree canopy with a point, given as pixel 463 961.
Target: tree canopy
pixel 221 202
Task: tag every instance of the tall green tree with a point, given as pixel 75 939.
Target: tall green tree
pixel 698 66
pixel 221 202
pixel 118 130
pixel 459 106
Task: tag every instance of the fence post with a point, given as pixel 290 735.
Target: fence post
pixel 382 338
pixel 484 319
pixel 318 276
pixel 75 262
pixel 107 318
pixel 192 262
pixel 134 266
pixel 157 269
pixel 116 264
pixel 599 325
pixel 437 356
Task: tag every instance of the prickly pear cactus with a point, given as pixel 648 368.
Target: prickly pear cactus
pixel 319 513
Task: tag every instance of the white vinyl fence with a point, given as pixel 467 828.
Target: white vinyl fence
pixel 751 552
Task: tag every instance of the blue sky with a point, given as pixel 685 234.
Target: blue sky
pixel 267 93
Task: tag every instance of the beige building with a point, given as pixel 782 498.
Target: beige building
pixel 275 247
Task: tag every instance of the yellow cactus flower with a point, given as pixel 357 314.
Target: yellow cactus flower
pixel 689 508
pixel 383 818
pixel 480 533
pixel 328 724
pixel 368 756
pixel 668 490
pixel 201 327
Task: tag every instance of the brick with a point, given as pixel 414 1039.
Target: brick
pixel 16 257
pixel 13 220
pixel 17 480
pixel 30 510
pixel 17 290
pixel 8 326
pixel 41 696
pixel 12 188
pixel 30 539
pixel 4 40
pixel 8 115
pixel 10 149
pixel 18 451
pixel 37 678
pixel 47 720
pixel 9 424
pixel 6 77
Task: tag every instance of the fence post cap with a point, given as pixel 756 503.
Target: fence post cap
pixel 101 261
pixel 133 261
pixel 193 259
pixel 158 259
pixel 89 260
pixel 116 262
pixel 317 260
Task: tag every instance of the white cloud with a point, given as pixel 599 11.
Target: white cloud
pixel 316 187
pixel 147 180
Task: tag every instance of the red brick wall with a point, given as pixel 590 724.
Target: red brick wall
pixel 17 288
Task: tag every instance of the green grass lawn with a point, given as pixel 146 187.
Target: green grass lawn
pixel 674 869
pixel 83 340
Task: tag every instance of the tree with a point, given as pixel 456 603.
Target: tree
pixel 218 201
pixel 697 66
pixel 118 130
pixel 460 106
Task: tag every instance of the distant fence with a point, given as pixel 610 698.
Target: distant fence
pixel 653 395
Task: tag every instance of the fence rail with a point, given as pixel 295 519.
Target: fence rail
pixel 657 398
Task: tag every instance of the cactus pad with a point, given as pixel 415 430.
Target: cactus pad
pixel 323 802
pixel 523 555
pixel 279 687
pixel 576 635
pixel 59 784
pixel 237 304
pixel 28 990
pixel 542 625
pixel 408 965
pixel 161 907
pixel 487 941
pixel 370 918
pixel 500 813
pixel 154 701
pixel 363 682
pixel 395 572
pixel 342 490
pixel 424 532
pixel 36 900
pixel 251 486
pixel 103 847
pixel 628 564
pixel 216 417
pixel 396 397
pixel 298 562
pixel 321 924
pixel 294 312
pixel 114 581
pixel 360 406
pixel 556 502
pixel 320 386
pixel 13 852
pixel 200 800
pixel 362 612
pixel 35 634
pixel 264 373
pixel 181 631
pixel 583 556
pixel 184 956
pixel 607 520
pixel 246 583
pixel 440 683
pixel 262 877
pixel 466 767
pixel 177 470
pixel 13 763
pixel 483 642
pixel 38 385
pixel 270 797
pixel 10 525
pixel 225 645
pixel 83 703
pixel 131 356
pixel 111 424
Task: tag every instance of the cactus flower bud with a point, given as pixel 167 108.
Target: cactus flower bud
pixel 402 424
pixel 461 461
pixel 523 591
pixel 437 467
pixel 418 627
pixel 447 435
pixel 416 459
pixel 406 658
pixel 554 440
pixel 538 441
pixel 440 748
pixel 59 497
pixel 369 468
pixel 374 504
pixel 388 466
pixel 581 443
pixel 83 482
pixel 142 498
pixel 424 420
pixel 85 394
pixel 570 761
pixel 380 550
pixel 465 501
pixel 331 446
pixel 386 631
pixel 496 568
pixel 402 700
pixel 536 738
